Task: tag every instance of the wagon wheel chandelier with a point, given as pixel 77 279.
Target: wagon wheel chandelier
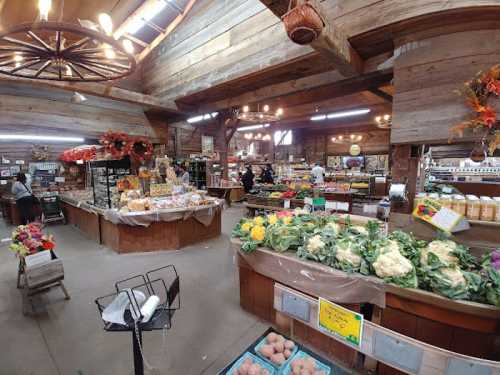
pixel 65 52
pixel 258 115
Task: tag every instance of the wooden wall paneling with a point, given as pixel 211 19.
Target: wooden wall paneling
pixel 43 111
pixel 426 105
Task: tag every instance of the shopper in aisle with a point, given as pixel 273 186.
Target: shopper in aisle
pixel 266 176
pixel 25 200
pixel 183 174
pixel 318 173
pixel 247 179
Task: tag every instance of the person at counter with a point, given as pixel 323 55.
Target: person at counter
pixel 266 177
pixel 21 189
pixel 318 173
pixel 247 179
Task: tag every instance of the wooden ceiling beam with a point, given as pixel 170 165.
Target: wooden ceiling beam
pixel 332 43
pixel 334 90
pixel 381 94
pixel 103 91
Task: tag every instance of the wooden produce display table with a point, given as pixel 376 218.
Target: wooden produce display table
pixel 230 193
pixel 84 219
pixel 462 327
pixel 163 235
pixel 158 235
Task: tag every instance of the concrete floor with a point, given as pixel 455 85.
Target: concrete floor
pixel 66 337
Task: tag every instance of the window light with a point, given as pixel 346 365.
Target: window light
pixel 287 136
pixel 146 15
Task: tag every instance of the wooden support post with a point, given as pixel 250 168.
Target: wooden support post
pixel 227 123
pixel 404 170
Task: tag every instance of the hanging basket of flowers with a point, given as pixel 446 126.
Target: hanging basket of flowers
pixel 303 23
pixel 115 144
pixel 139 149
pixel 478 92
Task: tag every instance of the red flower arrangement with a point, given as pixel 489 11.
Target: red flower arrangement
pixel 85 153
pixel 478 91
pixel 139 149
pixel 115 144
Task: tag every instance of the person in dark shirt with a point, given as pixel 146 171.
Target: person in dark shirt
pixel 247 179
pixel 267 175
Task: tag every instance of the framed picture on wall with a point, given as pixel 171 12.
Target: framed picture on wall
pixel 207 144
pixel 333 162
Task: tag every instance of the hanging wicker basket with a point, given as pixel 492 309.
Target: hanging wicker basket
pixel 303 23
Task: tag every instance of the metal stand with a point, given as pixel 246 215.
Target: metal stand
pixel 137 345
pixel 148 284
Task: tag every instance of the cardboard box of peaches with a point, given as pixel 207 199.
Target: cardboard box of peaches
pixel 274 354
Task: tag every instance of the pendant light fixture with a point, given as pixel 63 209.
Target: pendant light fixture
pixel 60 51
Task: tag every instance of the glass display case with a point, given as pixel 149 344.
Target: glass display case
pixel 104 176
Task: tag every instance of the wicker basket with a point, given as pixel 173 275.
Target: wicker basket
pixel 303 23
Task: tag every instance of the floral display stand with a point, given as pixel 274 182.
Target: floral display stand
pixel 39 268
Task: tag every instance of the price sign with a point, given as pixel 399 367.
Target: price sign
pixel 286 203
pixel 308 201
pixel 432 212
pixel 340 322
pixel 330 205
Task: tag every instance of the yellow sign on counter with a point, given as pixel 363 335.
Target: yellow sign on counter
pixel 340 322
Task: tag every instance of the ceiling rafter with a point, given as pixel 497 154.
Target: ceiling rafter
pixel 332 43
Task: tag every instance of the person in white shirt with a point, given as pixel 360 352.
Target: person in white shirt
pixel 21 189
pixel 184 175
pixel 318 173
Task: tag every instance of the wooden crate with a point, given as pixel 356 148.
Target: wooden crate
pixel 44 274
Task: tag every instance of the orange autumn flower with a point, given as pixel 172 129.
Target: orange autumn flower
pixel 493 86
pixel 488 116
pixel 475 104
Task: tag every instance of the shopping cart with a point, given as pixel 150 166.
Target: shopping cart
pixel 51 209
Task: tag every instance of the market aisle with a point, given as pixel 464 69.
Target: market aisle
pixel 67 336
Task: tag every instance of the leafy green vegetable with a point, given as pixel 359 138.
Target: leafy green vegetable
pixel 281 237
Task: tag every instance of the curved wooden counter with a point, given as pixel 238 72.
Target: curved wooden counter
pixel 459 326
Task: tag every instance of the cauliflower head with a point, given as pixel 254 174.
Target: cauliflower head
pixel 443 250
pixel 392 264
pixel 315 244
pixel 345 253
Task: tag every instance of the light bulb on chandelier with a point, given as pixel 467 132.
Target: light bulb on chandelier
pixel 44 7
pixel 106 23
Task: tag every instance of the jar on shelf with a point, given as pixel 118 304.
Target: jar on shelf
pixel 487 209
pixel 445 201
pixel 497 208
pixel 459 204
pixel 473 207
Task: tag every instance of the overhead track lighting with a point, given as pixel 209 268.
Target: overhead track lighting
pixel 334 115
pixel 22 137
